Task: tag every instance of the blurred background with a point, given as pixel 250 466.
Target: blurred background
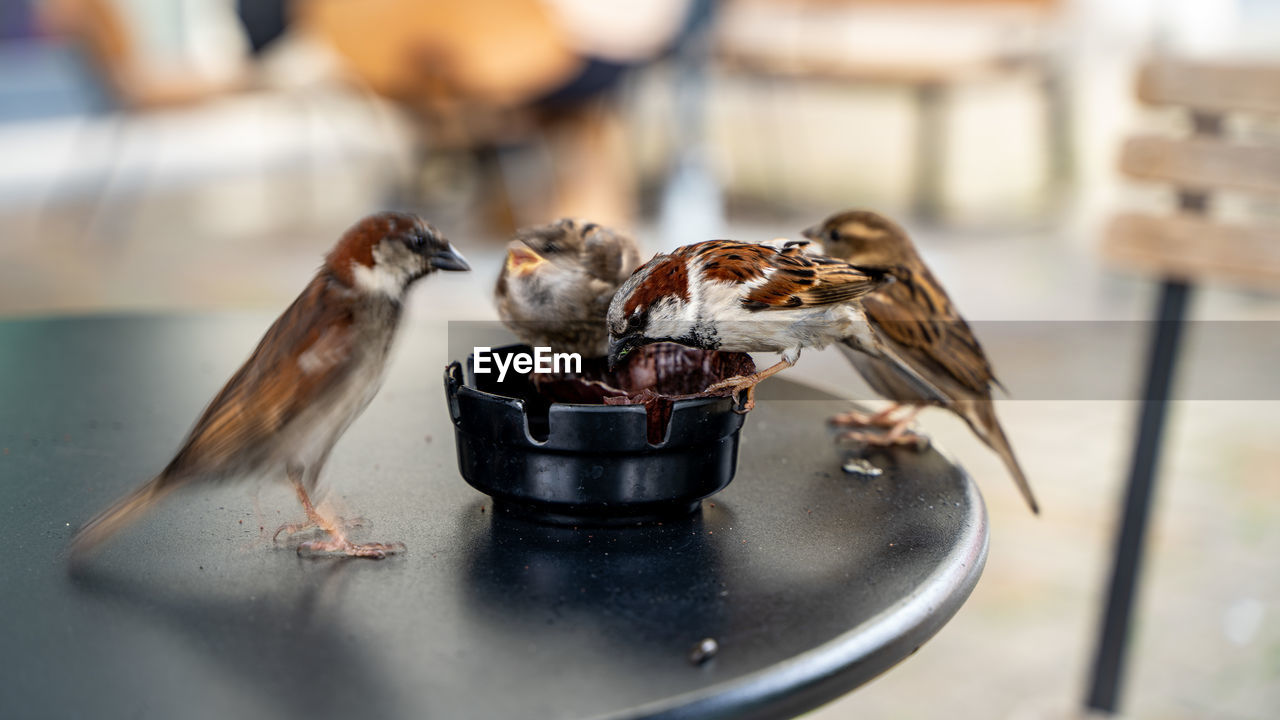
pixel 202 155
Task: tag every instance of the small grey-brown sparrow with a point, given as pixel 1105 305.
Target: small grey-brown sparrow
pixel 935 358
pixel 742 297
pixel 311 375
pixel 556 283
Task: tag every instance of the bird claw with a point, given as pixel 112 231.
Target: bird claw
pixel 908 438
pixel 291 529
pixel 342 546
pixel 853 418
pixel 738 384
pixel 742 408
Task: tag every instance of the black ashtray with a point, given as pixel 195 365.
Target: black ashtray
pixel 596 447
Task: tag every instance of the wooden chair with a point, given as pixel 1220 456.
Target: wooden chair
pixel 1183 249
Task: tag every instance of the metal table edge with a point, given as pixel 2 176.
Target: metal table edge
pixel 834 668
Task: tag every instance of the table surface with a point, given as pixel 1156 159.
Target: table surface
pixel 812 581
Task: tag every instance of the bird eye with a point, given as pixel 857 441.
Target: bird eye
pixel 833 234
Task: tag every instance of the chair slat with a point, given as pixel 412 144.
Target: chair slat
pixel 1204 164
pixel 1194 248
pixel 1217 87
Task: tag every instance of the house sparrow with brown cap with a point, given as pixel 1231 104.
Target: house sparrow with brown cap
pixel 935 358
pixel 556 283
pixel 311 375
pixel 742 297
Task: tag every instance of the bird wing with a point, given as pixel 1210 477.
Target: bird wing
pixel 927 333
pixel 308 348
pixel 833 281
pixel 892 375
pixel 609 256
pixel 786 278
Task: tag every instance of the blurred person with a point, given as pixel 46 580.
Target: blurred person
pixel 484 75
pixel 611 39
pixel 154 54
pixel 481 76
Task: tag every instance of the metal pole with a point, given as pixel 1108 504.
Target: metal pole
pixel 1105 687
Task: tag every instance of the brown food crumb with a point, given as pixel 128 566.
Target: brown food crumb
pixel 655 376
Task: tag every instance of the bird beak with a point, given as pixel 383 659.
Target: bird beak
pixel 521 259
pixel 449 259
pixel 621 347
pixel 813 233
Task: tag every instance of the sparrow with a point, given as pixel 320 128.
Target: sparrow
pixel 556 283
pixel 310 376
pixel 934 357
pixel 742 297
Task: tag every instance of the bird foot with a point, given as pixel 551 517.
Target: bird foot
pixel 291 529
pixel 853 418
pixel 343 546
pixel 738 384
pixel 908 438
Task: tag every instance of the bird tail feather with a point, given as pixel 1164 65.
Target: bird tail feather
pixel 121 513
pixel 981 416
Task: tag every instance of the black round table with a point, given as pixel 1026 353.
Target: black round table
pixel 811 581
